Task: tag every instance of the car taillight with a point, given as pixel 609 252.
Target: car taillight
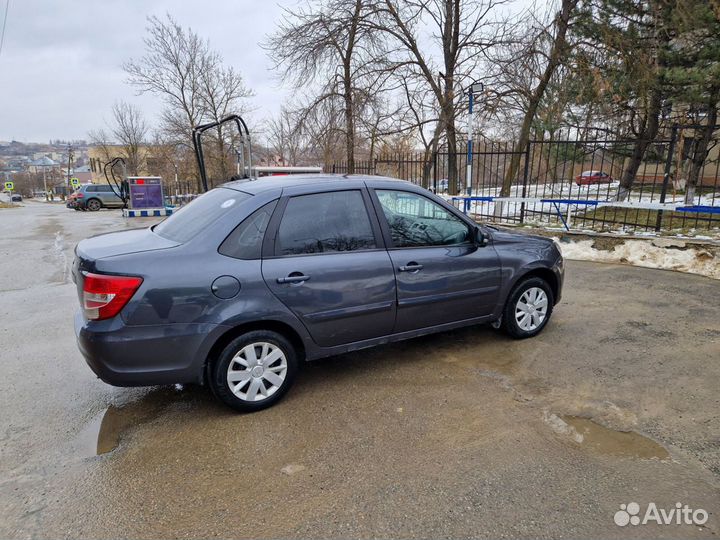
pixel 79 195
pixel 104 296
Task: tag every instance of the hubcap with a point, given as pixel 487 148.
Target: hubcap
pixel 531 309
pixel 257 371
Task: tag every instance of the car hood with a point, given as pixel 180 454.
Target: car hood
pixel 503 237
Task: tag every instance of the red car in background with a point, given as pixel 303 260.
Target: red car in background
pixel 587 178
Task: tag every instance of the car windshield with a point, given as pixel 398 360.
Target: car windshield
pixel 184 224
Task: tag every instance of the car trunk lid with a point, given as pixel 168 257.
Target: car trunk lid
pixel 104 246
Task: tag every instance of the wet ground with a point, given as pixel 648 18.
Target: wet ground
pixel 465 434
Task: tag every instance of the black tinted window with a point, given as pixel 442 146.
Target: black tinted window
pixel 245 242
pixel 415 221
pixel 199 214
pixel 91 189
pixel 325 222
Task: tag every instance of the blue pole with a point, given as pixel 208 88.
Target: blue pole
pixel 468 176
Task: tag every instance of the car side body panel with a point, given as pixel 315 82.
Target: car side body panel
pixel 167 331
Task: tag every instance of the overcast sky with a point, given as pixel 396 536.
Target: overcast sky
pixel 60 65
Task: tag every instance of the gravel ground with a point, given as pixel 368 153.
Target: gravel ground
pixel 463 434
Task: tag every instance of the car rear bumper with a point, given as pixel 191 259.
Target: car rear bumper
pixel 144 355
pixel 591 182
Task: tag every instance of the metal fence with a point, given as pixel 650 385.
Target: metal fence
pixel 551 169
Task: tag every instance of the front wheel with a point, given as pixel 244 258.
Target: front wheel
pixel 254 371
pixel 528 308
pixel 94 205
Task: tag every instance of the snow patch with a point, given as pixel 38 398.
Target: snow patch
pixel 646 254
pixel 59 252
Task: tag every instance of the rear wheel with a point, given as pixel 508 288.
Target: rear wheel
pixel 528 308
pixel 254 371
pixel 94 205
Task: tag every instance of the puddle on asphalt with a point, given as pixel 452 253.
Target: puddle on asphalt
pixel 102 435
pixel 486 359
pixel 104 432
pixel 615 443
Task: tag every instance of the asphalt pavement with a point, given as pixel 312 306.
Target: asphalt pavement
pixel 464 434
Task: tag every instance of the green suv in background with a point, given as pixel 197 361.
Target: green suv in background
pixel 93 197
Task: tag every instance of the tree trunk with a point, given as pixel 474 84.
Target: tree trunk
pixel 451 136
pixel 556 57
pixel 348 89
pixel 645 137
pixel 557 52
pixel 701 151
pixel 349 127
pixel 222 164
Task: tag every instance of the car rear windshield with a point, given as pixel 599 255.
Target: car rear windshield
pixel 184 224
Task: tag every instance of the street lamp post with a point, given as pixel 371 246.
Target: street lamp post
pixel 474 89
pixel 70 160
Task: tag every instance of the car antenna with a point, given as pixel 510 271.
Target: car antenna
pixel 245 170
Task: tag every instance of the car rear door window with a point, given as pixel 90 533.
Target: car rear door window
pixel 325 222
pixel 416 221
pixel 245 242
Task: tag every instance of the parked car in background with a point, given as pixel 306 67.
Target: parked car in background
pixel 587 178
pixel 93 197
pixel 240 286
pixel 16 198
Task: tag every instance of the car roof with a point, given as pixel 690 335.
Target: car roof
pixel 268 183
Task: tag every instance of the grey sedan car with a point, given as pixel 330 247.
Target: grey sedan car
pixel 245 283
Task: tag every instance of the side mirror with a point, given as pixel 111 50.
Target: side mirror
pixel 481 238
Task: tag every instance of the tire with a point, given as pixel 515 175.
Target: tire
pixel 235 362
pixel 520 322
pixel 93 205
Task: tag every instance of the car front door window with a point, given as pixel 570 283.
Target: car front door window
pixel 416 221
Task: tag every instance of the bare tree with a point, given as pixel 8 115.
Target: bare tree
pixel 460 31
pixel 127 135
pixel 173 66
pixel 285 136
pixel 130 131
pixel 181 68
pixel 524 72
pixel 329 43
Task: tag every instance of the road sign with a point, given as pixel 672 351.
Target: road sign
pixel 9 186
pixel 75 182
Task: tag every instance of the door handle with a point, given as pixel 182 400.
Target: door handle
pixel 411 267
pixel 295 277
